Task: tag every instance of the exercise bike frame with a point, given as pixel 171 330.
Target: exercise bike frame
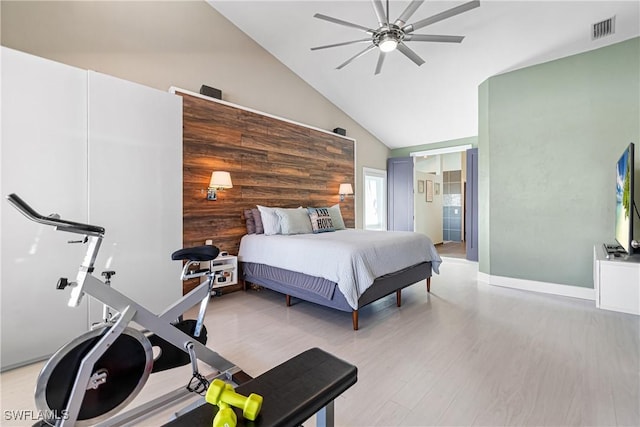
pixel 129 310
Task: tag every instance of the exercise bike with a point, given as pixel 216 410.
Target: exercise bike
pixel 94 376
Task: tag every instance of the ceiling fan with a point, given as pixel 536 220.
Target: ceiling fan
pixel 390 36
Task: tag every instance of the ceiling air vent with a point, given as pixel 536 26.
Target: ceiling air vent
pixel 603 28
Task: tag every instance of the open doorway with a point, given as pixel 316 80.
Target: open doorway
pixel 439 212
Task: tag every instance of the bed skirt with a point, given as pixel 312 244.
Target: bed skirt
pixel 324 292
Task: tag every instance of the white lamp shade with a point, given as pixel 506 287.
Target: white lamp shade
pixel 220 180
pixel 345 189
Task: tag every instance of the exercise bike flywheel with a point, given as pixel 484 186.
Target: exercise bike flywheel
pixel 117 377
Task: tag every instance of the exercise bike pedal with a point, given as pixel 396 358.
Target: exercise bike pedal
pixel 63 282
pixel 107 274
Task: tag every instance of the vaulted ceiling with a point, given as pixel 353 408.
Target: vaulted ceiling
pixel 407 105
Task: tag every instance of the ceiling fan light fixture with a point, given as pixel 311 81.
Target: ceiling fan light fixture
pixel 387 44
pixel 392 35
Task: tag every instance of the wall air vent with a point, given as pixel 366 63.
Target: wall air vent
pixel 603 28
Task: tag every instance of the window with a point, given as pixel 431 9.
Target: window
pixel 375 199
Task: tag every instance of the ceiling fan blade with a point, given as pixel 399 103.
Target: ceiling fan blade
pixel 358 55
pixel 441 16
pixel 341 44
pixel 410 54
pixel 432 38
pixel 379 9
pixel 410 10
pixel 341 22
pixel 380 61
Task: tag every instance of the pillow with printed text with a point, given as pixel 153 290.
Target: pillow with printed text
pixel 320 220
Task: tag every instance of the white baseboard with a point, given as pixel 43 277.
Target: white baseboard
pixel 458 260
pixel 535 286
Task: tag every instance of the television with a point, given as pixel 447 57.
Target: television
pixel 624 200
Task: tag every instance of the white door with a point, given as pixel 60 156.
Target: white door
pixel 43 156
pixel 135 187
pixel 93 149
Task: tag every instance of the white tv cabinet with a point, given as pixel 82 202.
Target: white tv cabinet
pixel 616 281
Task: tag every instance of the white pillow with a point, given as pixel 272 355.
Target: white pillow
pixel 294 221
pixel 270 220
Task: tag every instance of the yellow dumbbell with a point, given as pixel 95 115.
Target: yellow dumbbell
pixel 225 416
pixel 221 392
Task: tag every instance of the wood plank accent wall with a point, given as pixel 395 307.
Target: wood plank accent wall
pixel 272 162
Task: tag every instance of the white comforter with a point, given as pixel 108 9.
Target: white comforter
pixel 351 258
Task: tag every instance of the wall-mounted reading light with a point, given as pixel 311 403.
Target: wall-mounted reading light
pixel 219 181
pixel 345 189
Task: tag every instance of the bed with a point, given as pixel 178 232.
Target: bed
pixel 345 269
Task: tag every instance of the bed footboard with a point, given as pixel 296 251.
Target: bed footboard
pixel 390 283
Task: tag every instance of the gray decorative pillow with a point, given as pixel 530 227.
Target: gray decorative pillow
pixel 294 221
pixel 250 222
pixel 257 219
pixel 320 220
pixel 336 217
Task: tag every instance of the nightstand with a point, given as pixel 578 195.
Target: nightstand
pixel 226 269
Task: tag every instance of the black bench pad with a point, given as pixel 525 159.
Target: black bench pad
pixel 293 391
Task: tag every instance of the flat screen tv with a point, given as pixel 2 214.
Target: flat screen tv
pixel 624 199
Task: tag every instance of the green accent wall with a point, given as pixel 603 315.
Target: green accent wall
pixel 405 151
pixel 549 139
pixel 484 187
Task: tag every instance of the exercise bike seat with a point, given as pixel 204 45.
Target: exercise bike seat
pixel 197 253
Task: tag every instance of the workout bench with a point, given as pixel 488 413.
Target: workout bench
pixel 293 391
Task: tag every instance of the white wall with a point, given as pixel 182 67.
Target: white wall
pixel 428 215
pixel 184 44
pixel 429 164
pixel 452 161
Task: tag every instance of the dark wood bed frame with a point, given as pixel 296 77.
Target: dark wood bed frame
pixel 381 287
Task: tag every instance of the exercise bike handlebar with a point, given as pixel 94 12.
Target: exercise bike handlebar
pixel 53 220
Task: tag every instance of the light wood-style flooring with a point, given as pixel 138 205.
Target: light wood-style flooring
pixel 468 354
pixel 452 249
